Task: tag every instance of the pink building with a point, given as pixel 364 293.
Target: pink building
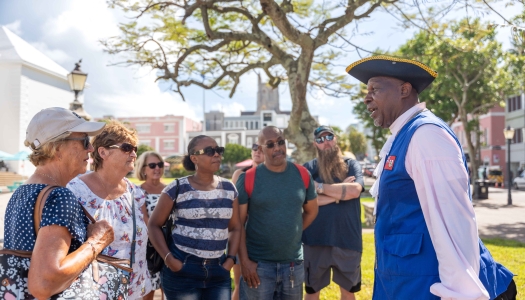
pixel 493 142
pixel 167 134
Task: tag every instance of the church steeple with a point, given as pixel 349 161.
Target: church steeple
pixel 267 97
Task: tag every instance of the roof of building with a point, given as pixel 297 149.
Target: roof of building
pixel 14 49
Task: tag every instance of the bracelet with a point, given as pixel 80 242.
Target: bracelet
pixel 166 256
pixel 92 248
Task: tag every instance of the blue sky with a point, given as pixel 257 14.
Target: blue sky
pixel 68 30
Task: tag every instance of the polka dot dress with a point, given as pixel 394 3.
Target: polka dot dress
pixel 61 208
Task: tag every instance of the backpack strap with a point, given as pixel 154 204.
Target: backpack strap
pixel 305 175
pixel 249 181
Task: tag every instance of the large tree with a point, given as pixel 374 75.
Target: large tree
pixel 297 42
pixel 471 80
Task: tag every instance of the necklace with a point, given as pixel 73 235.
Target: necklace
pixel 53 179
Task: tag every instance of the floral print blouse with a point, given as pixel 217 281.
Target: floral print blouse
pixel 118 213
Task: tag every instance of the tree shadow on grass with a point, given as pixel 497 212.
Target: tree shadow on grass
pixel 514 235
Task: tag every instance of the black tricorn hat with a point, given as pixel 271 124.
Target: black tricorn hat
pixel 419 75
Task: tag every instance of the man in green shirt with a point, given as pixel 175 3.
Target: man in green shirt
pixel 280 206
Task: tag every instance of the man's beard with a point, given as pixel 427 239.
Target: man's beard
pixel 331 164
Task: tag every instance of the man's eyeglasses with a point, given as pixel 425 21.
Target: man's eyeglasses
pixel 321 140
pixel 85 141
pixel 270 145
pixel 160 164
pixel 125 147
pixel 255 147
pixel 210 151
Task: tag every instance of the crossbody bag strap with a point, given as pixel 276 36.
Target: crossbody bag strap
pixel 133 242
pixel 170 221
pixel 39 205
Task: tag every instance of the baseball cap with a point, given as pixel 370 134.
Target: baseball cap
pixel 323 128
pixel 52 122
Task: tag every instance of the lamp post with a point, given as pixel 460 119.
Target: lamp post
pixel 77 82
pixel 509 135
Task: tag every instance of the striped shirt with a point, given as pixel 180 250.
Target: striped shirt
pixel 202 217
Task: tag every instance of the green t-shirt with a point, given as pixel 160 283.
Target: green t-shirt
pixel 275 223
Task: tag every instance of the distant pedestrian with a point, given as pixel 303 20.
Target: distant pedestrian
pixel 281 202
pixel 334 243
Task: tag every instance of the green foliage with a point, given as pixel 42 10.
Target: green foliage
pixel 357 141
pixel 143 148
pixel 235 153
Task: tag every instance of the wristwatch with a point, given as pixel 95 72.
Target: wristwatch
pixel 320 188
pixel 234 258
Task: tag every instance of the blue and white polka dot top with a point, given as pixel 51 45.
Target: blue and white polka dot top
pixel 61 208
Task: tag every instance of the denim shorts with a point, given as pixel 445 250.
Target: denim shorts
pixel 199 278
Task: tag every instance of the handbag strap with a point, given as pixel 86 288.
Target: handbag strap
pixel 39 205
pixel 133 242
pixel 170 221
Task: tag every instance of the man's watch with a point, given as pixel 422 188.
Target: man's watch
pixel 320 188
pixel 233 257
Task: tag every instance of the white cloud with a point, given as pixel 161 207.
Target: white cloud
pixel 15 27
pixel 230 109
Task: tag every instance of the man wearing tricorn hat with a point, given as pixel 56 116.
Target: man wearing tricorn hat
pixel 427 243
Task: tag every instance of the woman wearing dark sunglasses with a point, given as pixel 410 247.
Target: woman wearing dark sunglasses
pixel 108 195
pixel 257 158
pixel 150 168
pixel 204 207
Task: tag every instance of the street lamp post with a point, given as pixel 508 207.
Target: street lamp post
pixel 77 82
pixel 509 135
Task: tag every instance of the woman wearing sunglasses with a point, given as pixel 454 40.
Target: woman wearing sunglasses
pixel 257 158
pixel 150 168
pixel 204 207
pixel 108 195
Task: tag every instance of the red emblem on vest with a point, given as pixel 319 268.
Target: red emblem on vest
pixel 390 162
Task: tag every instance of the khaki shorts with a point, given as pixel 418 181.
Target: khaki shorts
pixel 320 261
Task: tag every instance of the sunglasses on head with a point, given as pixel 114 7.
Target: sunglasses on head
pixel 85 141
pixel 125 147
pixel 321 140
pixel 210 151
pixel 270 145
pixel 255 147
pixel 160 164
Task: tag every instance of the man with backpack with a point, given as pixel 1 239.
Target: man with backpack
pixel 334 242
pixel 281 201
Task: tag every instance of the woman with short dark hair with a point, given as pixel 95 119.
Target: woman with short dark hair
pixel 206 213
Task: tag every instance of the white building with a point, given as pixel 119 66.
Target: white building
pixel 29 82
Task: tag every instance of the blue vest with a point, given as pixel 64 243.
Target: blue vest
pixel 406 262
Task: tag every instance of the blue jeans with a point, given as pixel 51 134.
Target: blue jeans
pixel 275 283
pixel 199 278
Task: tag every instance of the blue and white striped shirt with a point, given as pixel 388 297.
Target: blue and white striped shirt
pixel 202 217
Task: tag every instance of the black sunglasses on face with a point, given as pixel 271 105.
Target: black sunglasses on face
pixel 85 141
pixel 255 147
pixel 125 147
pixel 154 165
pixel 270 145
pixel 321 140
pixel 210 151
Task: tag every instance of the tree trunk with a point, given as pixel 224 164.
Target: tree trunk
pixel 301 125
pixel 470 145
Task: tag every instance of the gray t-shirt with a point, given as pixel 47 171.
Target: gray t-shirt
pixel 274 226
pixel 337 225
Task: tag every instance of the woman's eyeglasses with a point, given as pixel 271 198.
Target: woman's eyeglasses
pixel 160 164
pixel 125 147
pixel 210 151
pixel 321 140
pixel 270 145
pixel 85 141
pixel 255 147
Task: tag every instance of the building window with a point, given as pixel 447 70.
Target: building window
pixel 267 117
pixel 143 128
pixel 247 125
pixel 145 143
pixel 169 127
pixel 169 144
pixel 249 142
pixel 514 103
pixel 518 136
pixel 256 124
pixel 251 124
pixel 233 138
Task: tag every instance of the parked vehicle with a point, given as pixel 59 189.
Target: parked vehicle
pixel 492 174
pixel 519 182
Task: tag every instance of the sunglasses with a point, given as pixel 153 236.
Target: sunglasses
pixel 321 140
pixel 255 147
pixel 210 151
pixel 125 147
pixel 160 164
pixel 270 145
pixel 85 141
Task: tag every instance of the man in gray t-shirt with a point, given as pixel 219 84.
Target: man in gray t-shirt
pixel 333 244
pixel 283 202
